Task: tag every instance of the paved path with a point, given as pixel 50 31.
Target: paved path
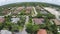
pixel 27 19
pixel 35 11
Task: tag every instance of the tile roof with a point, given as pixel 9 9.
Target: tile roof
pixel 17 10
pixel 42 31
pixel 6 11
pixel 2 19
pixel 38 20
pixel 20 8
pixel 57 22
pixel 28 10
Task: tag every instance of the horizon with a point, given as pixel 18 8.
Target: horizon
pixel 5 2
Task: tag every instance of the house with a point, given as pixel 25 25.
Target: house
pixel 58 16
pixel 6 11
pixel 38 20
pixel 5 32
pixel 2 19
pixel 15 20
pixel 28 10
pixel 20 8
pixel 42 31
pixel 15 12
pixel 56 21
pixel 43 12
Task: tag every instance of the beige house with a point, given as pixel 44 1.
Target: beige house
pixel 2 19
pixel 56 21
pixel 38 20
pixel 28 10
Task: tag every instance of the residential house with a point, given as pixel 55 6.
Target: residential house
pixel 2 19
pixel 20 8
pixel 58 16
pixel 15 20
pixel 6 11
pixel 43 12
pixel 17 10
pixel 56 21
pixel 38 20
pixel 42 31
pixel 28 10
pixel 5 32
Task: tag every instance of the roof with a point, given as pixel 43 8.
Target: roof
pixel 2 19
pixel 57 22
pixel 20 8
pixel 43 12
pixel 6 11
pixel 15 20
pixel 42 31
pixel 27 12
pixel 38 20
pixel 29 8
pixel 5 32
pixel 17 10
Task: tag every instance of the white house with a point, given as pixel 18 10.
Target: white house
pixel 15 20
pixel 5 32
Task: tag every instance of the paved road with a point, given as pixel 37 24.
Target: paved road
pixel 53 11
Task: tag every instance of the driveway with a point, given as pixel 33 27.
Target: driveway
pixel 27 19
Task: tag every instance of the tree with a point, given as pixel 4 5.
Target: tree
pixel 50 16
pixel 8 18
pixel 1 26
pixel 7 25
pixel 31 28
pixel 15 28
pixel 35 28
pixel 50 27
pixel 42 26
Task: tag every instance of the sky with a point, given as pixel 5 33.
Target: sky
pixel 4 2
